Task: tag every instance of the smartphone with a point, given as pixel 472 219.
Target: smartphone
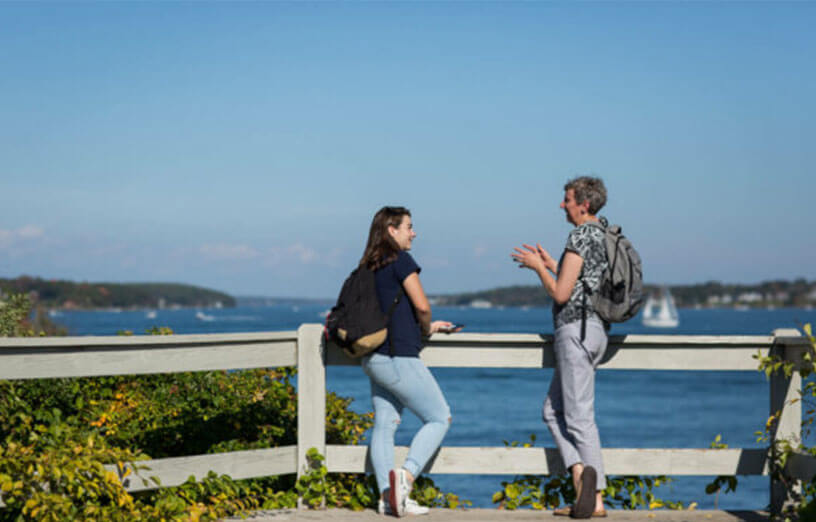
pixel 452 328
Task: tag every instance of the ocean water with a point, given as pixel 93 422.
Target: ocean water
pixel 634 409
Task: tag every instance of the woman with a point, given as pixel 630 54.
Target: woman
pixel 579 342
pixel 398 377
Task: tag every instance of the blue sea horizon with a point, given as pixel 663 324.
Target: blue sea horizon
pixel 634 409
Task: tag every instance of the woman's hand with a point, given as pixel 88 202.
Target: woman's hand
pixel 444 327
pixel 549 261
pixel 532 257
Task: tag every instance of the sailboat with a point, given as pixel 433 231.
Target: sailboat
pixel 660 312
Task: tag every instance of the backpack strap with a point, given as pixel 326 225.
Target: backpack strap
pixel 391 313
pixel 584 310
pixel 603 224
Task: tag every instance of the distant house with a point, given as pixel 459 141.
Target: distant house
pixel 749 297
pixel 726 299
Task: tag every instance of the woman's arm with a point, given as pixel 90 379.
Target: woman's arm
pixel 559 289
pixel 422 307
pixel 413 288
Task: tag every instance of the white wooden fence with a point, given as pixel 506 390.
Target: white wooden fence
pixel 37 358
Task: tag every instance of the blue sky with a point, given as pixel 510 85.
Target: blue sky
pixel 246 146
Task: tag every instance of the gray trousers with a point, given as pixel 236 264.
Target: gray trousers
pixel 569 409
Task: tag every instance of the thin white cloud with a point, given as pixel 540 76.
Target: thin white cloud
pixel 302 253
pixel 26 233
pixel 228 252
pixel 30 232
pixel 296 253
pixel 274 256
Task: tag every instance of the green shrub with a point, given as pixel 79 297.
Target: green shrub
pixel 533 491
pixel 801 498
pixel 58 435
pixel 14 313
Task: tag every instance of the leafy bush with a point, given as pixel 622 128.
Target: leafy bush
pixel 59 434
pixel 17 319
pixel 358 492
pixel 801 501
pixel 533 491
pixel 14 313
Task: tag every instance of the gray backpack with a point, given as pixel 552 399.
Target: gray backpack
pixel 620 296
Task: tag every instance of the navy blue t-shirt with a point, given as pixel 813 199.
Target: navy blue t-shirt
pixel 404 327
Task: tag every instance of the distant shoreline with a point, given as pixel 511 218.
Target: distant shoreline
pixel 69 295
pixel 770 294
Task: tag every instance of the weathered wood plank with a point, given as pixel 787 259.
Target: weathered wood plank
pixel 236 464
pixel 84 362
pixel 137 341
pixel 628 340
pixel 544 461
pixel 784 400
pixel 736 358
pixel 668 358
pixel 311 397
pixel 482 357
pixel 628 352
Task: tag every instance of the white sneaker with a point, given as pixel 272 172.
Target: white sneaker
pixel 398 494
pixel 411 508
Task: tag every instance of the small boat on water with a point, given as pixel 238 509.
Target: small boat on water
pixel 660 311
pixel 201 316
pixel 150 314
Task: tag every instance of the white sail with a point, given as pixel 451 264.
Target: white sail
pixel 648 309
pixel 661 313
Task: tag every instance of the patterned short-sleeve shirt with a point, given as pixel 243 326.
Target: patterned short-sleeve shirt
pixel 588 242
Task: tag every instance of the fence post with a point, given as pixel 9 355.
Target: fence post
pixel 311 425
pixel 783 390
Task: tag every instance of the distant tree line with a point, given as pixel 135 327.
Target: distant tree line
pixel 503 296
pixel 799 292
pixel 69 294
pixel 713 294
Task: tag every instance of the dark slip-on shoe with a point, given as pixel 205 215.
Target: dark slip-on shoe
pixel 585 500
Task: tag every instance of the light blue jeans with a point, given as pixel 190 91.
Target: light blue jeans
pixel 396 383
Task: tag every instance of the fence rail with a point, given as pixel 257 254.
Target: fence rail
pixel 37 358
